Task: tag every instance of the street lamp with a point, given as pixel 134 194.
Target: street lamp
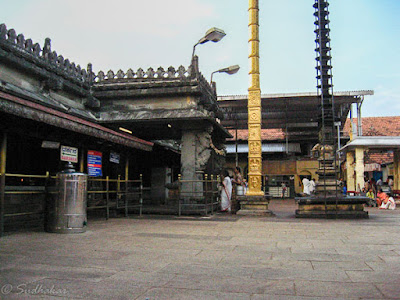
pixel 214 35
pixel 229 70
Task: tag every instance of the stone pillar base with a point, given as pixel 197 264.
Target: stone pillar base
pixel 254 206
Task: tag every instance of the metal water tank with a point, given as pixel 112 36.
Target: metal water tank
pixel 240 190
pixel 67 210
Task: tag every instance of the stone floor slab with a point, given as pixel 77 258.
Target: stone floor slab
pixel 216 258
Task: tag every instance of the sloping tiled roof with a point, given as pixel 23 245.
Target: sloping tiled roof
pixel 371 126
pixel 266 134
pixel 377 157
pixel 376 126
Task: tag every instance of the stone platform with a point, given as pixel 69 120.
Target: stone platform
pixel 341 207
pixel 254 206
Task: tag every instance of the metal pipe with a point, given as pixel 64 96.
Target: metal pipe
pixel 3 154
pixel 108 198
pixel 141 195
pixel 359 121
pixel 351 122
pixel 236 146
pixel 338 137
pixel 127 168
pixel 81 160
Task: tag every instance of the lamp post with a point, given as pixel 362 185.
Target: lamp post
pixel 229 70
pixel 213 34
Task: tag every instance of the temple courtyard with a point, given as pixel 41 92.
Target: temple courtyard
pixel 216 257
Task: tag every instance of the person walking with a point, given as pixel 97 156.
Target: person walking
pixel 226 192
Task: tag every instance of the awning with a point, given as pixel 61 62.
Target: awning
pixel 373 142
pixel 37 112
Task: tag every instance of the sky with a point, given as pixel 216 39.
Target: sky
pixel 123 34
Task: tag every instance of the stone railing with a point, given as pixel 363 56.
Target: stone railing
pixel 150 74
pixel 44 57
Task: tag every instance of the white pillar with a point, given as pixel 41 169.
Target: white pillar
pixel 359 168
pixel 350 171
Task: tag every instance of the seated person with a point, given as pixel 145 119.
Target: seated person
pixel 380 197
pixel 388 203
pixel 371 196
pixel 363 192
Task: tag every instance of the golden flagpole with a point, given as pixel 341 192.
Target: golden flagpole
pixel 254 104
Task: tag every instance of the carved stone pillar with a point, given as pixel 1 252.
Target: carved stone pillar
pixel 195 154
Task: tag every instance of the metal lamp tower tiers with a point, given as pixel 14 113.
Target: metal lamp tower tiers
pixel 254 104
pixel 327 173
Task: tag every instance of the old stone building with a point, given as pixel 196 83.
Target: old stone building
pixel 154 123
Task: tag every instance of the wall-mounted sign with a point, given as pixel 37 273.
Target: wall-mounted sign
pixel 114 157
pixel 94 163
pixel 69 154
pixel 50 145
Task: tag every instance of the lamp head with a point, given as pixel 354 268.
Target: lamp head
pixel 214 35
pixel 230 70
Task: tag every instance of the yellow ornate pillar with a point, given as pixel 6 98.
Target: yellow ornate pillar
pixel 359 169
pixel 351 186
pixel 254 104
pixel 254 202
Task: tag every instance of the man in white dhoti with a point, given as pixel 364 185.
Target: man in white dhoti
pixel 306 186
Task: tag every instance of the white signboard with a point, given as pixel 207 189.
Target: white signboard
pixel 69 154
pixel 114 157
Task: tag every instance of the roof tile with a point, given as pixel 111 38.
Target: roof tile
pixel 376 126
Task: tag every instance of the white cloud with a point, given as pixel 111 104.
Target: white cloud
pixel 155 18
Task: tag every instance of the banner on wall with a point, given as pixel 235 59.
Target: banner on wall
pixel 69 154
pixel 94 163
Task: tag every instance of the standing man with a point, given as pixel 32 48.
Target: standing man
pixel 306 186
pixel 283 185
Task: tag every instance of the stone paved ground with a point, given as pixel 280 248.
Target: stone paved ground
pixel 223 257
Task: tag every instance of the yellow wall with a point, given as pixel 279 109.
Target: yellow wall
pixel 305 167
pixel 285 167
pixel 279 167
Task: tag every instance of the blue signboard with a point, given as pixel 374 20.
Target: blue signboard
pixel 94 163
